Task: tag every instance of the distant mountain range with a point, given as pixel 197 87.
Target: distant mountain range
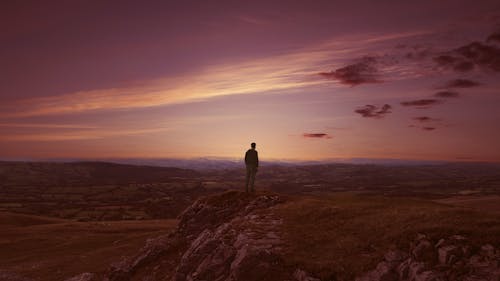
pixel 220 163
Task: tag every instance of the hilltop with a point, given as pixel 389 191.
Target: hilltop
pixel 267 236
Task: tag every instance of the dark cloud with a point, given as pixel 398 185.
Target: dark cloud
pixel 453 62
pixel 467 57
pixel 421 103
pixel 425 119
pixel 317 135
pixel 447 94
pixel 418 52
pixel 461 83
pixel 495 37
pixel 428 128
pixel 463 66
pixel 445 60
pixel 364 71
pixel 482 55
pixel 372 111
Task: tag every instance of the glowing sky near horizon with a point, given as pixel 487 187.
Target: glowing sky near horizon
pixel 304 80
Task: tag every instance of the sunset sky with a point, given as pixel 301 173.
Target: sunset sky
pixel 305 80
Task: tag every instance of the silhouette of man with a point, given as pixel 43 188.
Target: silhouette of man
pixel 252 163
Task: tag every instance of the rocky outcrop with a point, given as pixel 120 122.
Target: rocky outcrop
pixel 244 248
pixel 452 258
pixel 230 236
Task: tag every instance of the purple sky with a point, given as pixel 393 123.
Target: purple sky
pixel 302 79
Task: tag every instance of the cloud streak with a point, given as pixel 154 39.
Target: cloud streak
pixel 447 94
pixel 422 103
pixel 461 83
pixel 424 119
pixel 316 135
pixel 76 135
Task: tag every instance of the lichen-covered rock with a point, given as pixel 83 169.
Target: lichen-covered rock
pixel 230 236
pixel 423 251
pixel 245 248
pixel 301 275
pixel 455 261
pixel 86 276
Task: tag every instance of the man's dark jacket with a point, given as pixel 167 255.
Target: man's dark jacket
pixel 251 158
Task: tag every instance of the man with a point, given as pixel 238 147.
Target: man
pixel 252 163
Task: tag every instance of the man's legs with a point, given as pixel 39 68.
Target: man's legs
pixel 249 172
pixel 252 178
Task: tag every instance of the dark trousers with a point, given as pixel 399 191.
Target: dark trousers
pixel 251 171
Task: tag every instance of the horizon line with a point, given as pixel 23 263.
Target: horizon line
pixel 237 159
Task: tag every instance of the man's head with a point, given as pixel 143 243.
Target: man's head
pixel 252 145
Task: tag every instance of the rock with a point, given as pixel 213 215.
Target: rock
pixel 449 254
pixel 395 256
pixel 232 251
pixel 428 275
pixel 226 237
pixel 455 262
pixel 415 268
pixel 301 275
pixel 488 251
pixel 86 276
pixel 440 243
pixel 383 272
pixel 403 269
pixel 423 251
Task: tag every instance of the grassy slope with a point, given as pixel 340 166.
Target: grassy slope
pixel 339 236
pixel 55 249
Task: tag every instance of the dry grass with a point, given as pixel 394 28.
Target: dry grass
pixel 339 236
pixel 55 249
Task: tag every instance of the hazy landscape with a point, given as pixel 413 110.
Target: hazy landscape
pixel 326 221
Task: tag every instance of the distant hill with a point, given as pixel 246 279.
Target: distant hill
pixel 224 163
pixel 85 173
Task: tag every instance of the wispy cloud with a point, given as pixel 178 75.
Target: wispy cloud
pixel 425 119
pixel 461 83
pixel 447 94
pixel 77 135
pixel 47 126
pixel 422 103
pixel 291 70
